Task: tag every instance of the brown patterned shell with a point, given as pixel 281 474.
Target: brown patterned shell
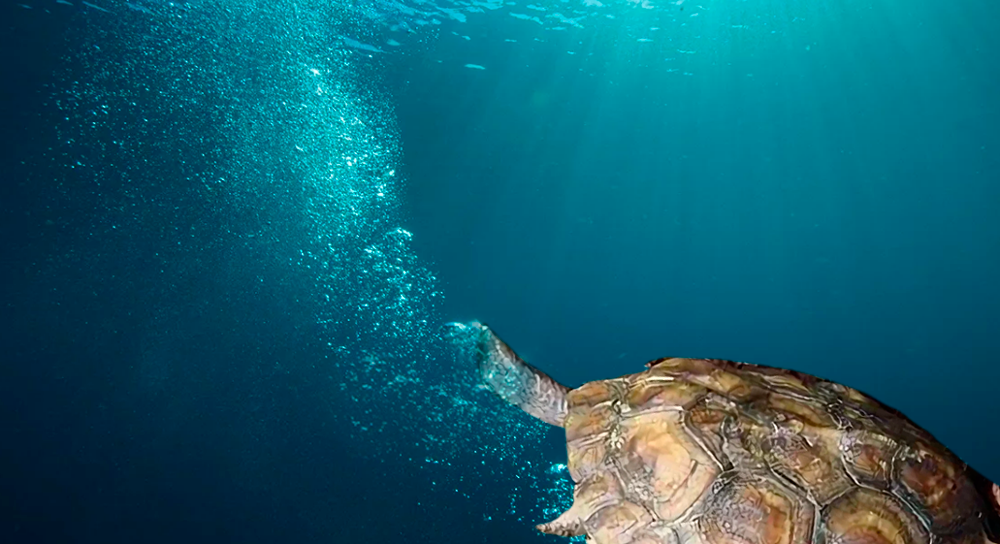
pixel 696 451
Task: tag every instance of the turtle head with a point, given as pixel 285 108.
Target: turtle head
pixel 516 381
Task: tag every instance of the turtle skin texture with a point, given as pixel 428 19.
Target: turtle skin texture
pixel 703 451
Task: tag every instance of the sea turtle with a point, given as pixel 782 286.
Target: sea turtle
pixel 706 451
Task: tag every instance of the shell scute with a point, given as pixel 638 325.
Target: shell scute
pixel 704 424
pixel 679 470
pixel 792 382
pixel 865 516
pixel 662 393
pixel 595 493
pixel 585 422
pixel 868 457
pixel 808 463
pixel 712 374
pixel 591 393
pixel 585 458
pixel 619 522
pixel 747 510
pixel 657 533
pixel 936 485
pixel 809 412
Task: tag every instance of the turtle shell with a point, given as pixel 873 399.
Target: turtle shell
pixel 699 451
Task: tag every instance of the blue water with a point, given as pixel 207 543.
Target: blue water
pixel 233 235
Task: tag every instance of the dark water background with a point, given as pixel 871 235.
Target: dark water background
pixel 825 200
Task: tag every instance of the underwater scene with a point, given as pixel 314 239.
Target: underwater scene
pixel 258 257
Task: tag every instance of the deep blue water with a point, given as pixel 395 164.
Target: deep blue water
pixel 233 235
